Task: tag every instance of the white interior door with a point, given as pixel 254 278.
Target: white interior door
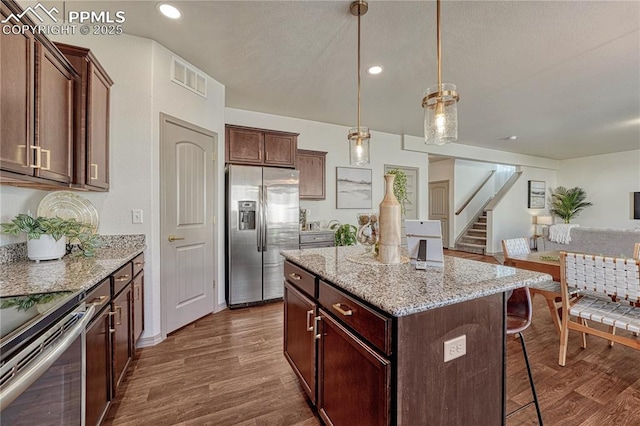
pixel 187 230
pixel 411 205
pixel 439 207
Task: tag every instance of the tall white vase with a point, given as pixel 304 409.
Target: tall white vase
pixel 46 248
pixel 390 225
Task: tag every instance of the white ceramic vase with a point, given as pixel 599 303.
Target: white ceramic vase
pixel 46 248
pixel 390 225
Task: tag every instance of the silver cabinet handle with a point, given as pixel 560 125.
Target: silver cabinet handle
pixel 295 276
pixel 173 238
pixel 309 314
pixel 94 171
pixel 316 322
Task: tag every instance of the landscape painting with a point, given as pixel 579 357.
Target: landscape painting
pixel 353 188
pixel 536 194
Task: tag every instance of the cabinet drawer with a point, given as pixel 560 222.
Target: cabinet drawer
pixel 316 237
pixel 302 279
pixel 100 295
pixel 138 264
pixel 369 324
pixel 121 278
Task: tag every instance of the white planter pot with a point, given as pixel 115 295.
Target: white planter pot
pixel 46 248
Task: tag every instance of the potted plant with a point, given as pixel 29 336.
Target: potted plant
pixel 400 187
pixel 45 236
pixel 567 203
pixel 346 235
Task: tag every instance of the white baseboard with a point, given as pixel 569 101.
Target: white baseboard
pixel 221 306
pixel 144 342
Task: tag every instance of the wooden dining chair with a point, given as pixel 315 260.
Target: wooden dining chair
pixel 515 247
pixel 636 251
pixel 518 319
pixel 611 297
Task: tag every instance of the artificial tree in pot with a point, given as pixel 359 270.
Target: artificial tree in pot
pixel 567 203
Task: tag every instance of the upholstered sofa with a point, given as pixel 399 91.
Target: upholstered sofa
pixel 608 242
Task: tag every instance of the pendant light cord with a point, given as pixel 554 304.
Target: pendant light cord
pixel 439 46
pixel 358 140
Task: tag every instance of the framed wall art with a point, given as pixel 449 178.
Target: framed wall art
pixel 353 188
pixel 537 194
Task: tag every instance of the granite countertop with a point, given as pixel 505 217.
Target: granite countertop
pixel 71 273
pixel 401 289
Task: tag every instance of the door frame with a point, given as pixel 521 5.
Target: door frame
pixel 165 119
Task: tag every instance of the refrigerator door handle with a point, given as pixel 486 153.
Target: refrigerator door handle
pixel 265 203
pixel 259 219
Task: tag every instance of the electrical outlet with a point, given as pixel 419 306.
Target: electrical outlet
pixel 136 216
pixel 455 348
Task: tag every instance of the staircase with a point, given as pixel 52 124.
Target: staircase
pixel 474 239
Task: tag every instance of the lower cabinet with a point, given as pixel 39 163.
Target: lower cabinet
pixel 138 308
pixel 122 347
pixel 353 380
pixel 98 364
pixel 299 337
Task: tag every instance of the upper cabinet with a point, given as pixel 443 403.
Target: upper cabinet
pixel 246 145
pixel 92 119
pixel 36 109
pixel 311 165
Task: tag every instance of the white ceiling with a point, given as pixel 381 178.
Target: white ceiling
pixel 564 76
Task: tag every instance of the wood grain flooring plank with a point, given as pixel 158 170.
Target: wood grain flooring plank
pixel 228 369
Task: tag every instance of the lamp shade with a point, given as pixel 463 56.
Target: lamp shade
pixel 359 146
pixel 544 220
pixel 440 105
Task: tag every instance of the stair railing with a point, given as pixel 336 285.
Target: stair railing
pixel 478 189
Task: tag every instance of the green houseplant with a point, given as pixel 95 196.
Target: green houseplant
pixel 400 187
pixel 567 203
pixel 50 232
pixel 346 235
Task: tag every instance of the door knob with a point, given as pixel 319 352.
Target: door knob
pixel 173 238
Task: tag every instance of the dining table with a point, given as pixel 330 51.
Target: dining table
pixel 549 263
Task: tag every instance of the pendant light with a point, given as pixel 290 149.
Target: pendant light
pixel 440 105
pixel 359 136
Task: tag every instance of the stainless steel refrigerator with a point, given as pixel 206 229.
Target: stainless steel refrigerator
pixel 262 219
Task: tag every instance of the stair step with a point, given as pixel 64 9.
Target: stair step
pixel 474 232
pixel 475 237
pixel 480 224
pixel 482 219
pixel 472 245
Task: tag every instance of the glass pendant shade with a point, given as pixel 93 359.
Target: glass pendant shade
pixel 359 146
pixel 440 105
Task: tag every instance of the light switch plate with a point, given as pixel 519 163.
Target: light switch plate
pixel 455 348
pixel 136 216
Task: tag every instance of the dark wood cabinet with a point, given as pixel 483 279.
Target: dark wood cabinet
pixel 138 307
pixel 246 145
pixel 98 359
pixel 299 337
pixel 98 383
pixel 122 348
pixel 91 154
pixel 353 380
pixel 37 136
pixel 312 167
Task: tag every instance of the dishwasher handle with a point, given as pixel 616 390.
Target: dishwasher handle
pixel 17 385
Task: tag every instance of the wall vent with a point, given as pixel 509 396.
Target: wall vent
pixel 187 76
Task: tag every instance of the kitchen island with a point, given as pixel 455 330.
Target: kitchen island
pixel 367 340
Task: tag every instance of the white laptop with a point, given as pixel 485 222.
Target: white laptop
pixel 431 232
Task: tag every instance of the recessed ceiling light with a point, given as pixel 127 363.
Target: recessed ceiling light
pixel 374 70
pixel 512 137
pixel 169 11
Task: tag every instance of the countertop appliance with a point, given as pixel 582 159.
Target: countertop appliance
pixel 262 219
pixel 42 364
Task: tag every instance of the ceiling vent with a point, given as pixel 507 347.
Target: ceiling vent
pixel 187 76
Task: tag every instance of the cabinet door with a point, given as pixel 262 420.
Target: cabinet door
pixel 121 307
pixel 138 307
pixel 16 99
pixel 280 150
pixel 97 129
pixel 311 165
pixel 353 380
pixel 299 340
pixel 54 116
pixel 98 382
pixel 244 146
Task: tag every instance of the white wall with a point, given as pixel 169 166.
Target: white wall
pixel 609 181
pixel 385 149
pixel 511 217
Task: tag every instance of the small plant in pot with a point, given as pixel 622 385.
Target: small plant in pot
pixel 46 236
pixel 400 187
pixel 567 203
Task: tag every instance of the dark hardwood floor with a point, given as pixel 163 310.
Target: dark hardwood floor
pixel 228 369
